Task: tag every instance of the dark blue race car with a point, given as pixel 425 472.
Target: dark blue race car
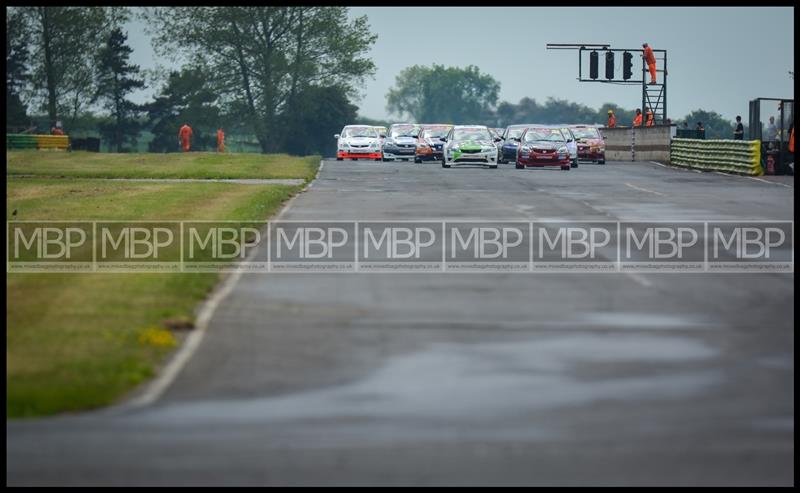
pixel 508 146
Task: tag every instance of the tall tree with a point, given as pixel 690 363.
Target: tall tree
pixel 185 98
pixel 116 78
pixel 17 74
pixel 717 127
pixel 64 43
pixel 444 94
pixel 261 58
pixel 319 113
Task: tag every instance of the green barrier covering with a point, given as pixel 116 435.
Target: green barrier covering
pixel 26 141
pixel 20 141
pixel 733 156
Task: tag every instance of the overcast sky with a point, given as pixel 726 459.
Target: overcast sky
pixel 719 58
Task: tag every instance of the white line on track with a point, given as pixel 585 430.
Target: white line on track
pixel 675 167
pixel 755 178
pixel 639 279
pixel 157 388
pixel 770 182
pixel 643 189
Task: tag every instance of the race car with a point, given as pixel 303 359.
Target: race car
pixel 542 146
pixel 401 142
pixel 429 145
pixel 572 145
pixel 469 144
pixel 358 142
pixel 381 135
pixel 591 145
pixel 508 146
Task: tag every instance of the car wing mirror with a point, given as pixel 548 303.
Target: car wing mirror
pixel 336 136
pixel 443 139
pixel 498 139
pixel 383 136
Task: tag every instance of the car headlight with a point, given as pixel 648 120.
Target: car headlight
pixel 563 150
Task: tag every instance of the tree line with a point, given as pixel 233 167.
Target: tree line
pixel 452 94
pixel 285 75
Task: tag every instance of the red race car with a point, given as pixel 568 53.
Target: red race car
pixel 542 146
pixel 591 145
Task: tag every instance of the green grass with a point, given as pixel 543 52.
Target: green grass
pixel 74 341
pixel 81 164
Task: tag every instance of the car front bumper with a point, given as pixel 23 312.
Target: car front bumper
pixel 590 154
pixel 540 159
pixel 358 155
pixel 472 158
pixel 398 152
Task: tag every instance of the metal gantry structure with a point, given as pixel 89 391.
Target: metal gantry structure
pixel 654 96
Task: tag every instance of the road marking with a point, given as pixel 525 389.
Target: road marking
pixel 770 182
pixel 158 386
pixel 755 178
pixel 321 165
pixel 675 167
pixel 643 189
pixel 639 279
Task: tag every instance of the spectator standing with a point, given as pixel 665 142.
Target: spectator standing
pixel 220 140
pixel 772 130
pixel 701 130
pixel 612 121
pixel 637 121
pixel 185 136
pixel 738 134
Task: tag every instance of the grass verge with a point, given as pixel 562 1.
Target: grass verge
pixel 81 341
pixel 81 164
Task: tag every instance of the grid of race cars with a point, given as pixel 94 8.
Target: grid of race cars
pixel 524 145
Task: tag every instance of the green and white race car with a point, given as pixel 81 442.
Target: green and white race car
pixel 469 144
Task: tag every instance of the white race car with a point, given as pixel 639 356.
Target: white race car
pixel 469 144
pixel 401 142
pixel 358 142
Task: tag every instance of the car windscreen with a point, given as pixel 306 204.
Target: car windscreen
pixel 360 132
pixel 586 133
pixel 435 132
pixel 544 135
pixel 514 133
pixel 462 134
pixel 403 131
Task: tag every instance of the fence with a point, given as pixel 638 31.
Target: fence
pixel 735 156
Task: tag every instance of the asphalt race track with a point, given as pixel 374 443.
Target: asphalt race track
pixel 468 379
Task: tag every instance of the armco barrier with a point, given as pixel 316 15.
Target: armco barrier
pixel 735 156
pixel 25 141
